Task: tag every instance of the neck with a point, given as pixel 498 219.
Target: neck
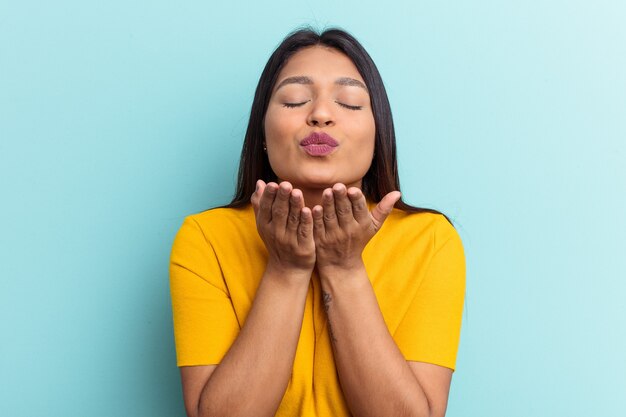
pixel 312 196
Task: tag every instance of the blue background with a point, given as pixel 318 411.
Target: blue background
pixel 118 119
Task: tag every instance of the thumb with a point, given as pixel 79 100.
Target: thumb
pixel 256 195
pixel 384 207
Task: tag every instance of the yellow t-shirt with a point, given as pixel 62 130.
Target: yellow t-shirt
pixel 415 264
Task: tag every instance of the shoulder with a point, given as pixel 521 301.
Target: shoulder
pixel 222 218
pixel 423 226
pixel 215 224
pixel 221 214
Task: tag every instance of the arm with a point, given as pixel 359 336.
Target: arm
pixel 252 377
pixel 375 377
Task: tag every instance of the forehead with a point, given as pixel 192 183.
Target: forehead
pixel 320 63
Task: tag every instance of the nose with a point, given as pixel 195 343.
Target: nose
pixel 321 114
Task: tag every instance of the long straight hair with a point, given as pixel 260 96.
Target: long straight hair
pixel 382 176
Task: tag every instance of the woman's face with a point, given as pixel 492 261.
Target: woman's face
pixel 319 125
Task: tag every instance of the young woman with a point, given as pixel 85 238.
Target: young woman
pixel 310 294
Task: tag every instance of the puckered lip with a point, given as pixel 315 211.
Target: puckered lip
pixel 319 138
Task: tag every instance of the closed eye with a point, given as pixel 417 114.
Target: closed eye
pixel 347 106
pixel 291 105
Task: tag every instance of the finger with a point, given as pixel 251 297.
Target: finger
pixel 296 202
pixel 384 207
pixel 330 215
pixel 360 211
pixel 256 195
pixel 266 202
pixel 280 208
pixel 305 228
pixel 343 206
pixel 319 231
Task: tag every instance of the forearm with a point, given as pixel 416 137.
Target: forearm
pixel 375 378
pixel 254 374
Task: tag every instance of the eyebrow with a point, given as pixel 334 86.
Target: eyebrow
pixel 302 79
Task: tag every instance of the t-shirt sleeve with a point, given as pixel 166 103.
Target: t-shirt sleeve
pixel 205 324
pixel 430 330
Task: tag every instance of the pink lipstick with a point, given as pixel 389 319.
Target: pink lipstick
pixel 319 144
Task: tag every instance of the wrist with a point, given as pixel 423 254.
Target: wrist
pixel 347 271
pixel 288 274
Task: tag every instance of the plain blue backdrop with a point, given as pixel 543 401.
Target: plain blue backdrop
pixel 118 119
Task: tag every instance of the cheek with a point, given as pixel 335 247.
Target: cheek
pixel 367 132
pixel 270 125
pixel 279 124
pixel 277 133
pixel 367 143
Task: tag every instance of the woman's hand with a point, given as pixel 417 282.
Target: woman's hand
pixel 285 226
pixel 343 225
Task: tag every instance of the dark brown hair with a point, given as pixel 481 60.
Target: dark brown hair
pixel 382 176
